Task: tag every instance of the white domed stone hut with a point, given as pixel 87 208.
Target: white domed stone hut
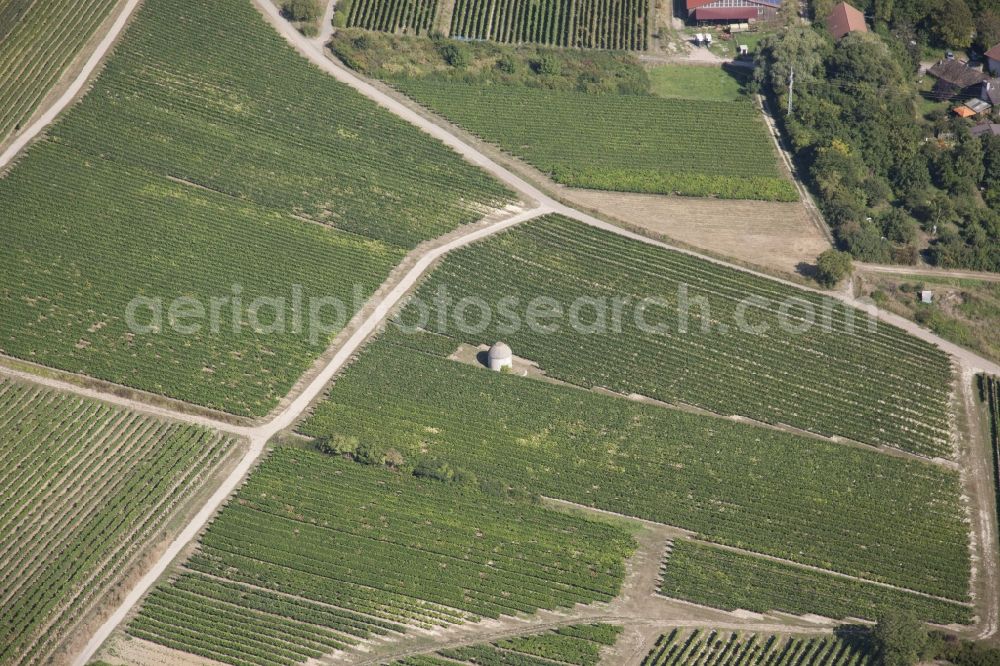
pixel 500 357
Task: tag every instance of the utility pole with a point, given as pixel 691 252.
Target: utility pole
pixel 791 85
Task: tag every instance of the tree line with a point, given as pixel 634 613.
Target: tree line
pixel 892 184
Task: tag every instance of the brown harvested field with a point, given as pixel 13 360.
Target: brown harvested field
pixel 772 235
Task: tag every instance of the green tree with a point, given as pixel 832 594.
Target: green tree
pixel 833 266
pixel 988 30
pixel 952 24
pixel 337 444
pixel 883 11
pixel 454 54
pixel 301 10
pixel 899 639
pixel 507 64
pixel 799 48
pixel 547 65
pixel 821 9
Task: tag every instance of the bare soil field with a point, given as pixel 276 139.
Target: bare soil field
pixel 773 235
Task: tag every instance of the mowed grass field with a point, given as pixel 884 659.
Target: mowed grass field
pixel 627 143
pixel 38 41
pixel 318 553
pixel 846 509
pixel 86 487
pixel 692 82
pixel 192 170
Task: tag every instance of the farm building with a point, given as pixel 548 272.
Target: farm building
pixel 845 19
pixel 955 78
pixel 986 128
pixel 993 60
pixel 500 356
pixel 731 11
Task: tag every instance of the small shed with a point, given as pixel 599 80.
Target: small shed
pixel 979 105
pixel 955 77
pixel 926 296
pixel 500 356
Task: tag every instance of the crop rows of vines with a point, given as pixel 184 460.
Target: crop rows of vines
pixel 85 486
pixel 38 41
pixel 186 172
pixel 848 509
pixel 989 388
pixel 722 648
pixel 596 24
pixel 578 645
pixel 351 550
pixel 407 16
pixel 745 346
pixel 630 143
pixel 710 576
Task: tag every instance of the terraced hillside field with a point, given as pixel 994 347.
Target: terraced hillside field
pixel 628 143
pixel 847 509
pixel 694 332
pixel 191 170
pixel 318 553
pixel 85 487
pixel 718 648
pixel 594 24
pixel 38 41
pixel 578 645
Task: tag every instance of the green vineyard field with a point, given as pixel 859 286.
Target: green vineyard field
pixel 578 645
pixel 407 16
pixel 724 648
pixel 38 41
pixel 710 576
pixel 838 507
pixel 734 352
pixel 990 393
pixel 188 172
pixel 317 553
pixel 596 24
pixel 86 487
pixel 630 143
